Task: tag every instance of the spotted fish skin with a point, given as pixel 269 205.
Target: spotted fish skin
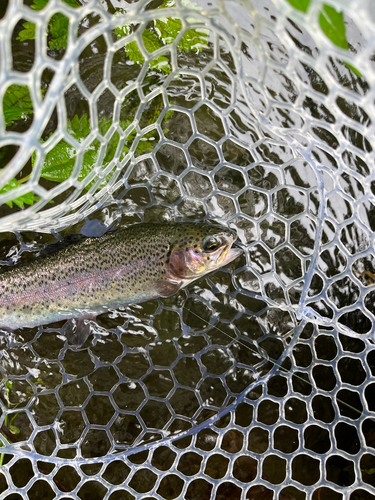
pixel 127 266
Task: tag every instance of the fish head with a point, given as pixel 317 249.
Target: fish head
pixel 199 249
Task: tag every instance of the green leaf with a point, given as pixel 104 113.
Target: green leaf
pixel 79 127
pixel 301 5
pixel 17 103
pixel 162 64
pixel 164 32
pixel 125 29
pixel 58 26
pixel 28 33
pixel 169 28
pixel 194 40
pixel 133 52
pixel 111 147
pixel 352 68
pixel 369 471
pixel 20 201
pixel 332 24
pixel 59 29
pixel 13 429
pixel 39 4
pixel 145 145
pixel 122 31
pixel 72 3
pixel 59 162
pixel 151 41
pixel 103 125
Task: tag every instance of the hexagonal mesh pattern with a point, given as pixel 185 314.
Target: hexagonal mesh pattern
pixel 253 383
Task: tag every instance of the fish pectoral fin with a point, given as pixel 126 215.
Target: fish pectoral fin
pixel 165 288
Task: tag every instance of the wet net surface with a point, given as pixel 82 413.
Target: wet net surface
pixel 256 382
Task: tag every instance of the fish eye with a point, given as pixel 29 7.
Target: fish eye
pixel 211 243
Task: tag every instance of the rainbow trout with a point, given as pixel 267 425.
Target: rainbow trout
pixel 130 265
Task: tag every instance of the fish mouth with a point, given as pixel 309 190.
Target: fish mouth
pixel 231 254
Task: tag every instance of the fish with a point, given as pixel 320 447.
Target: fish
pixel 126 266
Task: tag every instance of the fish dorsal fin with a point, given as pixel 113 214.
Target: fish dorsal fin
pixel 166 287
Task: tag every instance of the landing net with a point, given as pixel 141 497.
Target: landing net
pixel 253 383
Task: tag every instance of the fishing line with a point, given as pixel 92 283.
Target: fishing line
pixel 267 358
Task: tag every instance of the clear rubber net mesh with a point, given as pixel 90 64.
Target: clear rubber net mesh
pixel 253 383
